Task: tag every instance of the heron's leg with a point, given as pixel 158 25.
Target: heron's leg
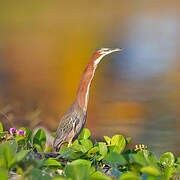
pixel 70 143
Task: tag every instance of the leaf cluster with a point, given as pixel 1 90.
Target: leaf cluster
pixel 25 157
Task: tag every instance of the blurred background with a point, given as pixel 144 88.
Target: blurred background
pixel 45 46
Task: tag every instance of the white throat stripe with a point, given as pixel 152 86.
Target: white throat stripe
pixel 98 59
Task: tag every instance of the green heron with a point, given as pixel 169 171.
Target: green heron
pixel 74 118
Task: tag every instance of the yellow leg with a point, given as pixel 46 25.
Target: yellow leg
pixel 70 144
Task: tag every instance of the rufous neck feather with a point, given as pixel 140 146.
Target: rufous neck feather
pixel 85 82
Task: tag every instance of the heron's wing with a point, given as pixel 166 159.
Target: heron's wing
pixel 66 125
pixel 79 126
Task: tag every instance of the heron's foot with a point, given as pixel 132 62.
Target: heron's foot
pixel 70 144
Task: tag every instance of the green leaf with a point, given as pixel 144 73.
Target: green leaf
pixel 178 160
pixel 77 147
pixel 93 151
pixel 114 159
pixel 3 174
pixel 129 176
pixel 74 155
pixel 20 139
pixel 102 150
pixel 92 170
pixel 64 152
pixel 108 140
pixel 53 134
pixel 76 142
pixel 117 149
pixel 7 153
pixel 137 159
pixel 21 155
pixel 27 133
pixel 71 153
pixel 85 134
pixel 167 159
pixel 119 143
pixel 37 174
pixel 118 140
pixel 81 161
pixel 168 172
pixel 40 139
pixel 49 149
pixel 149 157
pixel 52 162
pixel 144 158
pixel 86 145
pixel 99 176
pixel 1 127
pixel 177 169
pixel 150 170
pixel 2 134
pixel 77 171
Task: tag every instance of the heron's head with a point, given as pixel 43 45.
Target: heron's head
pixel 103 52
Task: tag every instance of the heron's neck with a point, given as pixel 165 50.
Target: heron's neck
pixel 85 82
pixel 84 85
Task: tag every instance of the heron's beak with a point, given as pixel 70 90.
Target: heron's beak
pixel 117 49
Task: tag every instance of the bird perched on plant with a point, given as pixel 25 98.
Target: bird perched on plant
pixel 74 119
